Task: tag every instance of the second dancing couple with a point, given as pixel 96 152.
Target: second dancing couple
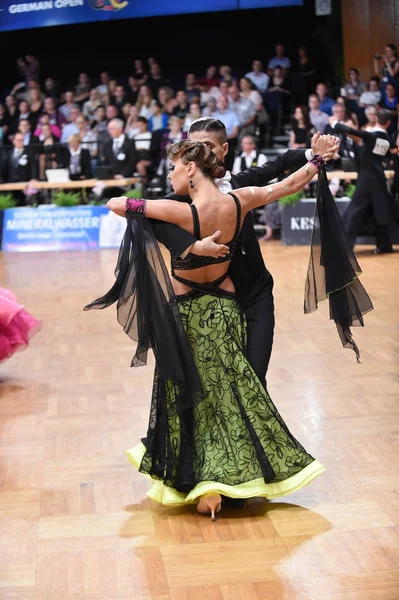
pixel 213 429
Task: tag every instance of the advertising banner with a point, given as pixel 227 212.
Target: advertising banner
pixel 54 228
pixel 24 14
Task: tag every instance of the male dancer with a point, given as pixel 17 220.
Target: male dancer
pixel 371 187
pixel 253 282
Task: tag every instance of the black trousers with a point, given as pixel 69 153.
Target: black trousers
pixel 360 202
pixel 260 330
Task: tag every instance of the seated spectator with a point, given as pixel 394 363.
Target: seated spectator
pixel 228 118
pixel 145 102
pixel 258 77
pixel 76 159
pixel 55 130
pixel 353 88
pixel 318 118
pixel 206 92
pixel 372 96
pixel 348 113
pixel 133 87
pixel 19 165
pixel 35 105
pixel 139 72
pixel 248 91
pixel 159 118
pixel 51 88
pixel 249 157
pixel 125 111
pixel 29 139
pixel 165 97
pixel 210 108
pixel 244 109
pixel 371 116
pixel 389 99
pixel 386 65
pixel 171 135
pixel 111 112
pixel 278 82
pixel 211 76
pixel 132 124
pixel 82 90
pixel 182 107
pixel 142 142
pixel 156 79
pixel 303 79
pixel 90 106
pixel 12 116
pixel 56 118
pixel 88 137
pixel 226 75
pixel 99 127
pixel 192 90
pixel 279 60
pixel 69 104
pixel 102 89
pixel 48 152
pixel 302 129
pixel 70 128
pixel 119 151
pixel 23 110
pixel 193 115
pixel 111 90
pixel 119 98
pixel 326 102
pixel 3 123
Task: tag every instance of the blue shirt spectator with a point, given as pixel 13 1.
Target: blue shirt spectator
pixel 326 102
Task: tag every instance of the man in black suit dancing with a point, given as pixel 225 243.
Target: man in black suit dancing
pixel 371 186
pixel 253 282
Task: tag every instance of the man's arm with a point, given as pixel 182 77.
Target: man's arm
pixel 360 133
pixel 259 176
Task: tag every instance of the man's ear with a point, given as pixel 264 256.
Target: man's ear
pixel 225 148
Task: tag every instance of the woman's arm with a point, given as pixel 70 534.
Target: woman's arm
pixel 170 211
pixel 253 197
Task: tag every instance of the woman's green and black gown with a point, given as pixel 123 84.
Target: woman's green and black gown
pixel 212 426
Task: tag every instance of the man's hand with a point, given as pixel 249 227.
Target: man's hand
pixel 118 177
pixel 208 247
pixel 325 145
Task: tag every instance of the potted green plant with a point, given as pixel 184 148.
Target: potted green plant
pixel 62 198
pixel 6 201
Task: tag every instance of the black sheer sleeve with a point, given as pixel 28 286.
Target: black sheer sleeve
pixel 147 309
pixel 333 270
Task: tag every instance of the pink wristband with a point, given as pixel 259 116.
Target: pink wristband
pixel 318 161
pixel 135 205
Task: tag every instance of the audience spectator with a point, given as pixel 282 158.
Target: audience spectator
pixel 111 90
pixel 249 157
pixel 258 77
pixel 211 77
pixel 192 90
pixel 225 73
pixel 302 130
pixel 280 60
pixel 210 108
pixel 194 113
pixel 326 102
pixel 182 107
pixel 55 129
pixel 245 110
pixel 51 88
pixel 30 139
pixel 111 112
pixel 349 114
pixel 48 151
pixel 119 98
pixel 156 80
pixel 12 115
pixel 56 118
pixel 35 106
pixel 228 118
pixel 132 123
pixel 389 99
pixel 119 151
pixel 165 97
pixel 372 95
pixel 387 66
pixel 102 89
pixel 19 165
pixel 159 118
pixel 88 137
pixel 171 135
pixel 142 142
pixel 69 104
pixel 303 82
pixel 76 159
pixel 29 67
pixel 91 105
pixel 139 72
pixel 71 127
pixel 354 88
pixel 318 118
pixel 82 90
pixel 145 102
pixel 371 116
pixel 3 123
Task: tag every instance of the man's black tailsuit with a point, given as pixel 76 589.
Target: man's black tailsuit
pixel 253 282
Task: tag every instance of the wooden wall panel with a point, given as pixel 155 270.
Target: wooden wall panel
pixel 368 25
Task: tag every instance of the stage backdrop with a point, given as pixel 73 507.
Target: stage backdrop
pixel 17 14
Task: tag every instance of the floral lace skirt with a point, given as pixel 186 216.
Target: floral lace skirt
pixel 233 441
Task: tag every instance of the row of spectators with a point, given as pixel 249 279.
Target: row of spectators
pixel 50 128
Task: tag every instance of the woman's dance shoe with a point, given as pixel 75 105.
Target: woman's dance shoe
pixel 210 503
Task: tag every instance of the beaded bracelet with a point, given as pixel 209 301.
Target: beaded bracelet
pixel 318 161
pixel 135 205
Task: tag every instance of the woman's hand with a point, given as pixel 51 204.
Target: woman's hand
pixel 325 145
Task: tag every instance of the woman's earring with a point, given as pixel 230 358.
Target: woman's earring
pixel 191 184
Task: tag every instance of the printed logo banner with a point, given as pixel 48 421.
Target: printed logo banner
pixel 53 228
pixel 24 14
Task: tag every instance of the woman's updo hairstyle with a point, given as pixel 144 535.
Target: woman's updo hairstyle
pixel 199 153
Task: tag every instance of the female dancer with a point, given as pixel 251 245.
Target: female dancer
pixel 213 428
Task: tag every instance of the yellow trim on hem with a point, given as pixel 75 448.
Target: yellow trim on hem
pixel 159 492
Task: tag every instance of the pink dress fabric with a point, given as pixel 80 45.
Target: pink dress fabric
pixel 17 326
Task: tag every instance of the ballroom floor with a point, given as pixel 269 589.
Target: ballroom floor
pixel 75 520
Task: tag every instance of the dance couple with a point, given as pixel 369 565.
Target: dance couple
pixel 213 430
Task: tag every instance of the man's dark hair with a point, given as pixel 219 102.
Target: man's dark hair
pixel 212 125
pixel 142 120
pixel 384 116
pixel 355 70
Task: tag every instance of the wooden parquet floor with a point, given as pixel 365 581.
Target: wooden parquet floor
pixel 75 521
